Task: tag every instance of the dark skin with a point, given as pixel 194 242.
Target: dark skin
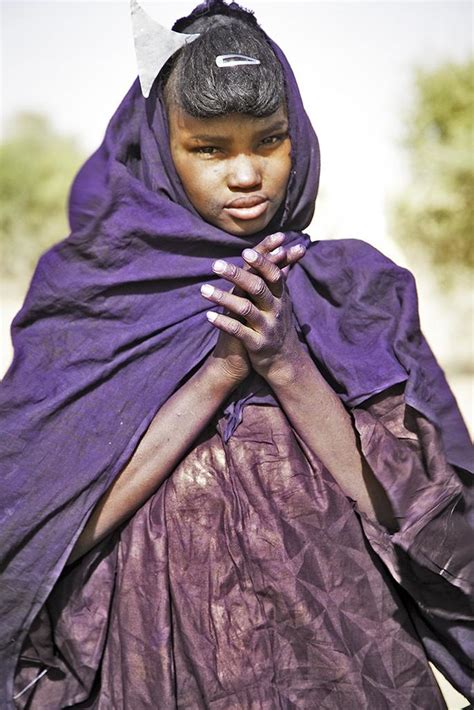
pixel 219 161
pixel 232 157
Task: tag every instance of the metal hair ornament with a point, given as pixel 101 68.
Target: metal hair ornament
pixel 234 60
pixel 154 45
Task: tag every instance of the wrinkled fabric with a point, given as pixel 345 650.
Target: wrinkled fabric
pixel 247 581
pixel 114 322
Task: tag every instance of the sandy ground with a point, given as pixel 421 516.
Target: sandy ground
pixel 462 386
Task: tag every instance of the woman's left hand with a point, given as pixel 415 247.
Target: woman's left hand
pixel 263 320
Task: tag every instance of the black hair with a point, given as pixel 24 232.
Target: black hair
pixel 193 81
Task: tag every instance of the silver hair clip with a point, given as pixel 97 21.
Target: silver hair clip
pixel 233 60
pixel 154 45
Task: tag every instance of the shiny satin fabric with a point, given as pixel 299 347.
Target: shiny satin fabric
pixel 250 581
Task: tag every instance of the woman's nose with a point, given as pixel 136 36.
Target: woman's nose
pixel 244 173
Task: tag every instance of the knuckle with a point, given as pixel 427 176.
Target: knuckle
pixel 258 288
pixel 235 328
pixel 246 309
pixel 275 275
pixel 259 345
pixel 265 244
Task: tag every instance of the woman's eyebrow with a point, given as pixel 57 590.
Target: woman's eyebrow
pixel 276 126
pixel 207 137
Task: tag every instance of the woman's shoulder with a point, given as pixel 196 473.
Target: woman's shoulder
pixel 353 267
pixel 353 250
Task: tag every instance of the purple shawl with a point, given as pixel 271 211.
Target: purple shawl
pixel 114 321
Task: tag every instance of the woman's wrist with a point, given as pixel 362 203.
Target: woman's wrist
pixel 222 374
pixel 287 367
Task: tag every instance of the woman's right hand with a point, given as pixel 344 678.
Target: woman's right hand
pixel 229 355
pixel 176 425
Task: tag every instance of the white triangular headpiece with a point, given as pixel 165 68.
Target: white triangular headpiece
pixel 154 45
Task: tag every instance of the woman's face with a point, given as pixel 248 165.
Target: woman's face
pixel 234 168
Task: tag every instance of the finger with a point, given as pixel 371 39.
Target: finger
pixel 269 271
pixel 235 328
pixel 271 242
pixel 276 255
pixel 283 256
pixel 252 285
pixel 270 245
pixel 237 306
pixel 294 254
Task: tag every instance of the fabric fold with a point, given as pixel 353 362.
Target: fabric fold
pixel 430 555
pixel 114 322
pixel 252 551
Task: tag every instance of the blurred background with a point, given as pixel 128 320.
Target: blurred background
pixel 388 87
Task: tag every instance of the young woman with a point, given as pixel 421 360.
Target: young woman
pixel 259 508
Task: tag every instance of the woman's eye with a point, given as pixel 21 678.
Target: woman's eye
pixel 273 140
pixel 207 150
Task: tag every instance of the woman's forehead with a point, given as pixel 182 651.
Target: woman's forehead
pixel 226 126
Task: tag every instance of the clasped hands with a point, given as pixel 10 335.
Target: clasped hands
pixel 257 329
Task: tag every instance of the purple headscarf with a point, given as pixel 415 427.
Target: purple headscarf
pixel 114 321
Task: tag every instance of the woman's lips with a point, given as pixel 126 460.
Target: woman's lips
pixel 247 207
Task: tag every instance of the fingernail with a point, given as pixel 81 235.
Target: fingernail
pixel 211 316
pixel 219 266
pixel 207 290
pixel 298 249
pixel 277 251
pixel 277 236
pixel 250 255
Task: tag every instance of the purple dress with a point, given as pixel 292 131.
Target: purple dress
pixel 250 581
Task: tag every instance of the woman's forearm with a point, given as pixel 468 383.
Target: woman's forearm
pixel 178 422
pixel 168 438
pixel 325 428
pixel 262 319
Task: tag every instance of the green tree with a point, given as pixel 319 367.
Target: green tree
pixel 434 218
pixel 37 166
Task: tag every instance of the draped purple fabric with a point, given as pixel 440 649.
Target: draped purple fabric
pixel 248 581
pixel 114 321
